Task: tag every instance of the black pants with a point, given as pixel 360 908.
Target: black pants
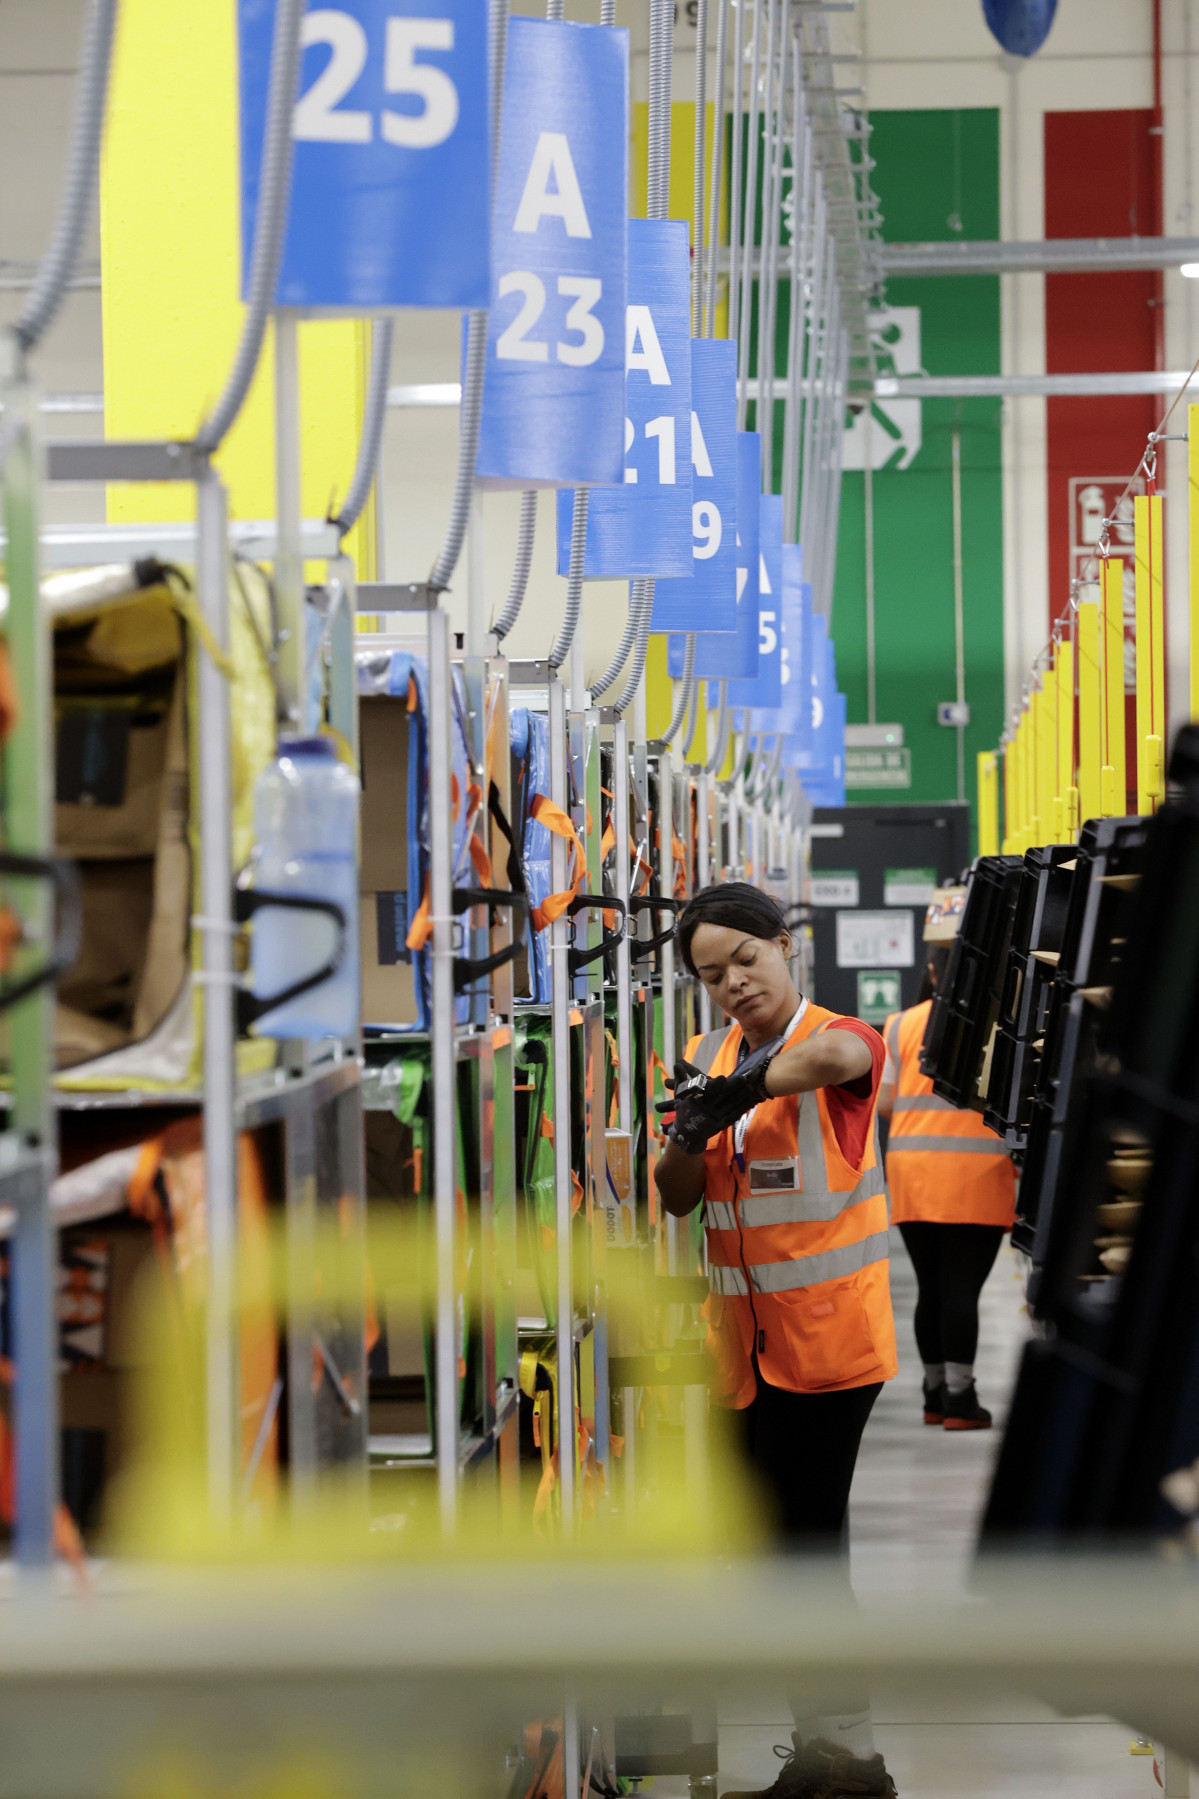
pixel 952 1262
pixel 803 1447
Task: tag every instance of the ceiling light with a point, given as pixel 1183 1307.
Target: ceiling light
pixel 1190 270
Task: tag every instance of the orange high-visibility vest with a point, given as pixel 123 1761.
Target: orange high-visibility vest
pixel 943 1165
pixel 798 1254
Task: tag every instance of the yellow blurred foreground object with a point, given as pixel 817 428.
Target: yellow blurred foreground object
pixel 160 1512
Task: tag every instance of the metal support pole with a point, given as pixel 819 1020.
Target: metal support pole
pixel 717 168
pixel 813 336
pixel 801 194
pixel 868 508
pixel 666 882
pixel 220 1076
pixel 29 766
pixel 624 973
pixel 703 875
pixel 735 194
pixel 748 221
pixel 560 1001
pixel 771 197
pixel 959 640
pixel 445 1085
pixel 289 560
pixel 476 592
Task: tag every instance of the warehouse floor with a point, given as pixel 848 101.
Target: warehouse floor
pixel 914 1512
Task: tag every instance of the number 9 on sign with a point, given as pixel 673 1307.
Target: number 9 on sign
pixel 391 176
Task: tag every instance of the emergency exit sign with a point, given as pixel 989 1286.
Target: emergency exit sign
pixel 878 767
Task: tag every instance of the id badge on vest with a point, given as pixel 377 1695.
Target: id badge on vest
pixel 779 1174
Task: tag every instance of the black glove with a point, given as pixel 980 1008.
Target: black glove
pixel 704 1104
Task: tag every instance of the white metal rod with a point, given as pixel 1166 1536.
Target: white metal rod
pixel 29 767
pixel 445 1120
pixel 560 1003
pixel 624 975
pixel 216 887
pixel 289 565
pixel 959 643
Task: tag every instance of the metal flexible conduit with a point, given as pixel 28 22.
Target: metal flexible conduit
pixel 524 562
pixel 692 723
pixel 574 581
pixel 274 186
pixel 661 53
pixel 373 419
pixel 717 169
pixel 471 410
pixel 58 264
pixel 723 721
pixel 643 604
pixel 685 687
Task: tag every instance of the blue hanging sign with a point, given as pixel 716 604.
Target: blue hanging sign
pixel 735 656
pixel 1020 26
pixel 787 715
pixel 553 403
pixel 391 178
pixel 765 688
pixel 707 599
pixel 643 527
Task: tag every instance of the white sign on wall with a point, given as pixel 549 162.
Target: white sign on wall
pixel 875 940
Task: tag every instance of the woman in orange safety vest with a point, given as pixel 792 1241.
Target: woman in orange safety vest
pixel 772 1128
pixel 952 1195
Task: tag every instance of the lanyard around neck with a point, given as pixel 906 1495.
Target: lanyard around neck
pixel 741 1128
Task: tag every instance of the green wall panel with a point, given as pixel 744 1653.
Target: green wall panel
pixel 935 170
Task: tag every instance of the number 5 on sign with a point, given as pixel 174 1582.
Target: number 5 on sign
pixel 391 176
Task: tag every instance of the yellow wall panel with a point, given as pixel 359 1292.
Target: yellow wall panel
pixel 171 270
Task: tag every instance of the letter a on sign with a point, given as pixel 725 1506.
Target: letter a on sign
pixel 391 176
pixel 553 398
pixel 706 600
pixel 643 527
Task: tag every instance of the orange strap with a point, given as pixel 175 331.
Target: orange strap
pixel 554 819
pixel 10 931
pixel 607 841
pixel 481 860
pixel 421 928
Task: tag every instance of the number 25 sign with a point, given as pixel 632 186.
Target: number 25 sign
pixel 390 189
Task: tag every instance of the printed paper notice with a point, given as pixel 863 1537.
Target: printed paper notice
pixel 835 887
pixel 875 940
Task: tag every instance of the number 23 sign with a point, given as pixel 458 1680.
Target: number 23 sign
pixel 390 190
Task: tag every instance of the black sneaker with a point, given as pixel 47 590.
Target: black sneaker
pixel 934 1403
pixel 820 1770
pixel 963 1412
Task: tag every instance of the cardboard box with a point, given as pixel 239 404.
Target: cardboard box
pixel 620 1219
pixel 388 978
pixel 384 727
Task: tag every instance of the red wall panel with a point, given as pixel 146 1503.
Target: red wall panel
pixel 1099 182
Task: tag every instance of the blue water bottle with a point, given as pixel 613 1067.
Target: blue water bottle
pixel 306 835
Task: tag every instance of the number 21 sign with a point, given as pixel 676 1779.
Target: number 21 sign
pixel 390 189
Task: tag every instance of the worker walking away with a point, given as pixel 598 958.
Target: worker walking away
pixel 952 1191
pixel 772 1128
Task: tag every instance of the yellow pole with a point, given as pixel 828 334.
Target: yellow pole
pixel 1154 743
pixel 988 804
pixel 1193 517
pixel 1028 769
pixel 1114 778
pixel 1007 751
pixel 1065 740
pixel 1051 807
pixel 1090 712
pixel 1038 808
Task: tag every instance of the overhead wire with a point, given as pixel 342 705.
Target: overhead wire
pixel 373 419
pixel 62 252
pixel 270 225
pixel 526 535
pixel 661 48
pixel 470 411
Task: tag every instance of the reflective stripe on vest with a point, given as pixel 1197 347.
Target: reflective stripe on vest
pixel 950 1146
pixel 924 1102
pixel 808 1206
pixel 801 1271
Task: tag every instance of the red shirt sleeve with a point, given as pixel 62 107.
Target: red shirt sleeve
pixel 851 1105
